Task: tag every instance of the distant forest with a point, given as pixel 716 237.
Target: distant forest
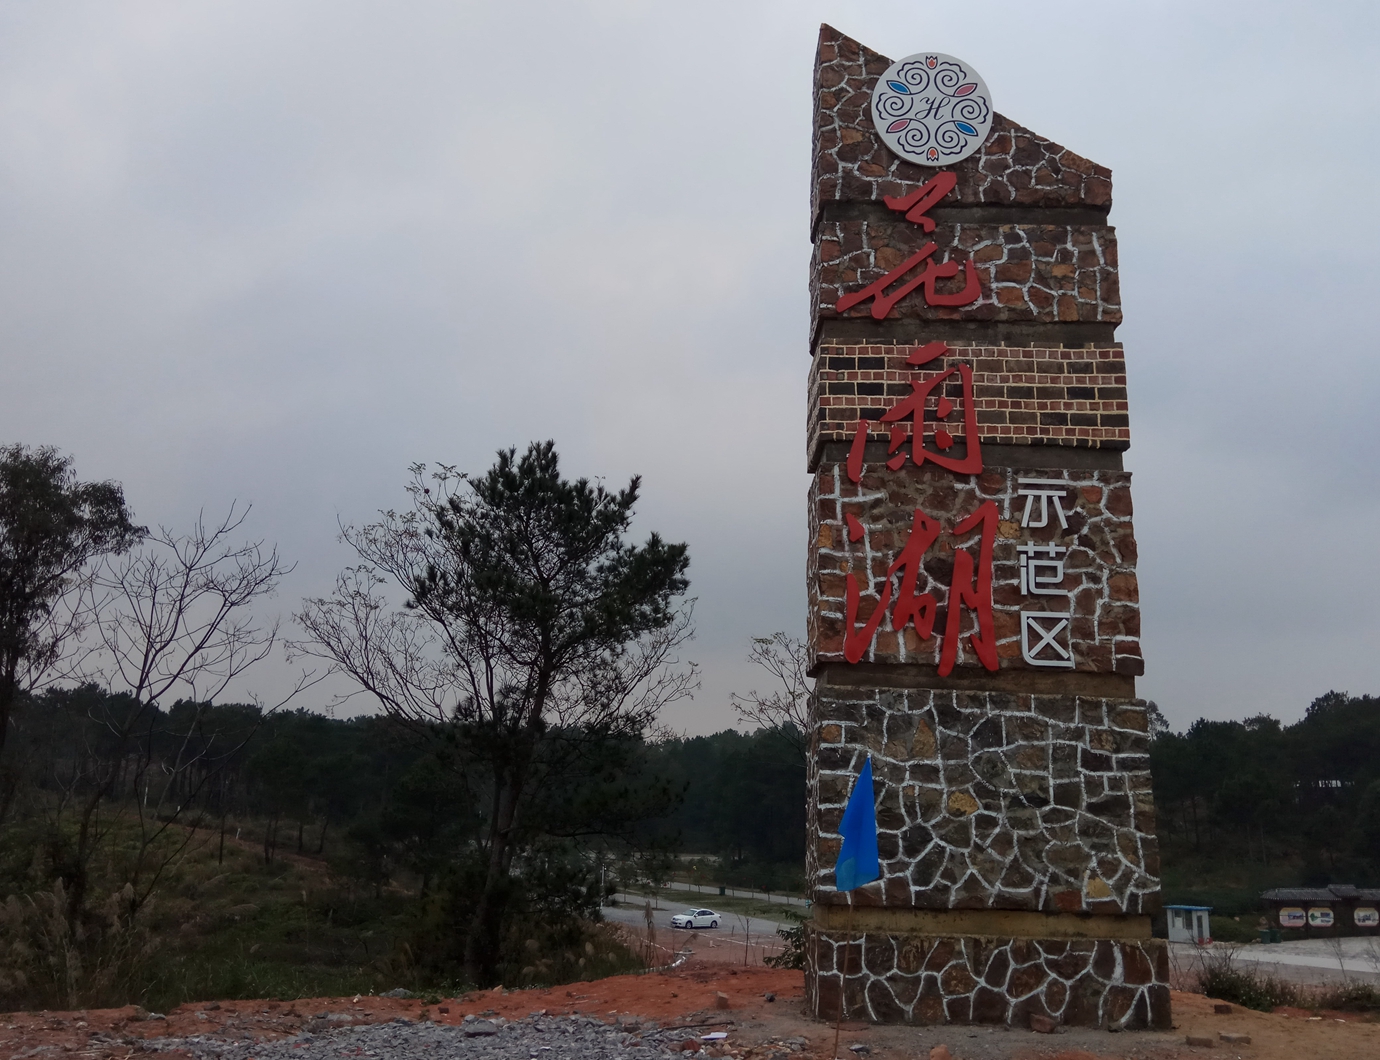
pixel 288 852
pixel 1241 804
pixel 370 793
pixel 1244 805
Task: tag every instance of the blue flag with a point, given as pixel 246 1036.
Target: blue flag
pixel 857 862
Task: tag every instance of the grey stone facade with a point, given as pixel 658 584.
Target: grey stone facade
pixel 901 978
pixel 988 800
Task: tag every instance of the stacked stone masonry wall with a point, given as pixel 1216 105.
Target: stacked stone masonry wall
pixel 851 164
pixel 1041 272
pixel 901 978
pixel 1103 601
pixel 1013 807
pixel 1028 273
pixel 989 800
pixel 1022 395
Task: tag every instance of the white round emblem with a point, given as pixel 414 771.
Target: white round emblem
pixel 932 109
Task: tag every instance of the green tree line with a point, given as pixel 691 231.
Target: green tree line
pixel 372 796
pixel 1280 804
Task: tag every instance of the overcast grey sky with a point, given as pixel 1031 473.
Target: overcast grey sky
pixel 278 251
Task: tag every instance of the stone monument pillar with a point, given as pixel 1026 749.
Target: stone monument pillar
pixel 974 624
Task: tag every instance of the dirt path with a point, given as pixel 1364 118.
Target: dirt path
pixel 757 1029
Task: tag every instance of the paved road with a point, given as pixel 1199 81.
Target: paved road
pixel 630 910
pixel 1340 958
pixel 707 893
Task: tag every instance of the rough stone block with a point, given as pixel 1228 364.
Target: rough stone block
pixel 980 833
pixel 1012 982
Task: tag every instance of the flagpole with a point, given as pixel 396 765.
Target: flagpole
pixel 843 979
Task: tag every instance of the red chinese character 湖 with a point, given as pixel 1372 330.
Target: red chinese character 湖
pixel 970 588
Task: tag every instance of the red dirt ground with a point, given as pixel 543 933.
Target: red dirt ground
pixel 686 997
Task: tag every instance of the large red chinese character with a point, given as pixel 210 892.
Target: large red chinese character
pixel 916 206
pixel 974 593
pixel 966 590
pixel 923 532
pixel 932 271
pixel 914 407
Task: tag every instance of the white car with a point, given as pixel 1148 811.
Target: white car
pixel 696 918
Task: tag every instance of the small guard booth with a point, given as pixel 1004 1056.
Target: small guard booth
pixel 1189 923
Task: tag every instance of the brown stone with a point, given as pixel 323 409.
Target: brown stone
pixel 1026 980
pixel 956 979
pixel 1056 993
pixel 998 966
pixel 1042 1024
pixel 1072 963
pixel 1118 1003
pixel 962 804
pixel 1096 887
pixel 989 1006
pixel 827 996
pixel 1160 1016
pixel 1135 965
pixel 1104 960
pixel 1084 1002
pixel 882 1004
pixel 929 1008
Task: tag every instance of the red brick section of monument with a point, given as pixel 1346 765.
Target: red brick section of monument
pixel 974 623
pixel 1073 397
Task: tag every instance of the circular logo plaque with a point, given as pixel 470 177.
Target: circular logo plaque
pixel 932 109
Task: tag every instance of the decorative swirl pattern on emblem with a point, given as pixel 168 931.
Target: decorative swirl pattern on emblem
pixel 932 109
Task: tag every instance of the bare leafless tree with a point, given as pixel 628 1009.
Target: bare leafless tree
pixel 175 621
pixel 785 707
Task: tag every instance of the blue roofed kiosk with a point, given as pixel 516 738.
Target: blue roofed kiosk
pixel 1189 923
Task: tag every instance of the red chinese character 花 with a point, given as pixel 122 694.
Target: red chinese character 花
pixel 916 207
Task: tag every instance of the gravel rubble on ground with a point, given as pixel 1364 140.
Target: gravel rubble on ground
pixel 538 1037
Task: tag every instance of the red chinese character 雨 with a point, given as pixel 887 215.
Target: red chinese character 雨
pixel 913 407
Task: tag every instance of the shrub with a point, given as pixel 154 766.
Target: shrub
pixel 1353 997
pixel 49 961
pixel 1223 980
pixel 792 954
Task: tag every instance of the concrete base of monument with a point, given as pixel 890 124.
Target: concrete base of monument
pixel 887 977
